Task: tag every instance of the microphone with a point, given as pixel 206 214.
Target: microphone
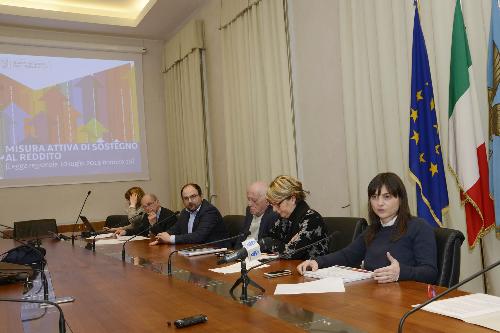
pixel 168 218
pixel 62 321
pixel 244 251
pixel 456 286
pixel 169 264
pixel 76 222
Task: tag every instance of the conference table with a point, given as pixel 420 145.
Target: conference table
pixel 138 296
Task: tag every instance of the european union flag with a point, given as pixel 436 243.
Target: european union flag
pixel 426 160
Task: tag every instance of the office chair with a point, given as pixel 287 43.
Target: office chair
pixel 34 228
pixel 234 226
pixel 448 243
pixel 115 221
pixel 349 228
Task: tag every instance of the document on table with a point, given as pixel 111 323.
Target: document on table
pixel 478 309
pixel 119 240
pixel 236 267
pixel 326 285
pixel 101 236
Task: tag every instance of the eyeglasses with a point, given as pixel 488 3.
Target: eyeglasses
pixel 278 205
pixel 191 197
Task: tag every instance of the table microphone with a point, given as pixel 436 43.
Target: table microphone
pixel 168 218
pixel 62 321
pixel 76 222
pixel 288 255
pixel 459 284
pixel 169 264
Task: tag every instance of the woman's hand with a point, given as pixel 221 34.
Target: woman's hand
pixel 308 265
pixel 133 200
pixel 389 273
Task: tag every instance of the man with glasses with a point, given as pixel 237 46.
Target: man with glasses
pixel 153 213
pixel 199 222
pixel 259 217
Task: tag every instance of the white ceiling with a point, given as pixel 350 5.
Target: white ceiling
pixel 160 22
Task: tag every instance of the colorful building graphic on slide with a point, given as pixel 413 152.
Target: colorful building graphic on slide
pixel 53 103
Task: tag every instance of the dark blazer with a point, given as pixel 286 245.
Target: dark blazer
pixel 266 223
pixel 207 226
pixel 165 213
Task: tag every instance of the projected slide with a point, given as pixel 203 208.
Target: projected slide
pixel 66 117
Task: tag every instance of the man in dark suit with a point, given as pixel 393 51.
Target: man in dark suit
pixel 199 222
pixel 153 213
pixel 259 217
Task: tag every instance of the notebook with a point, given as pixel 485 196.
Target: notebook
pixel 348 274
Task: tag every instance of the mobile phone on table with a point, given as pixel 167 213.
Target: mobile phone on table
pixel 283 272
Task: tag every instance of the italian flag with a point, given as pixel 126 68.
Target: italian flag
pixel 466 144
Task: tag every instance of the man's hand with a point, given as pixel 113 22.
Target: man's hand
pixel 162 237
pixel 120 232
pixel 152 218
pixel 389 273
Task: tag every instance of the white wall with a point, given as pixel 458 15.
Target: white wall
pixel 63 201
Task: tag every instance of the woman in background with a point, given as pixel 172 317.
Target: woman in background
pixel 396 246
pixel 134 211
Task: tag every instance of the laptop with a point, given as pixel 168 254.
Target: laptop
pixel 88 225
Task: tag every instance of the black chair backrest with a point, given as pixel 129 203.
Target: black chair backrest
pixel 234 226
pixel 115 221
pixel 448 242
pixel 349 228
pixel 34 228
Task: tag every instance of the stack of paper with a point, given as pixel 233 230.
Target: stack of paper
pixel 326 285
pixel 478 309
pixel 347 274
pixel 201 251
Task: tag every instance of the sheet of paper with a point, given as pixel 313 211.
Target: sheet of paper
pixel 119 240
pixel 326 285
pixel 236 267
pixel 102 236
pixel 490 320
pixel 467 306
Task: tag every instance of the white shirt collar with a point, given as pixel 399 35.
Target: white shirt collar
pixel 390 223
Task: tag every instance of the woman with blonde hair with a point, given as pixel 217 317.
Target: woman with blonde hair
pixel 299 225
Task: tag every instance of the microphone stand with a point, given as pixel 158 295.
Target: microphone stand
pixel 169 263
pixel 459 284
pixel 146 230
pixel 62 321
pixel 76 222
pixel 245 281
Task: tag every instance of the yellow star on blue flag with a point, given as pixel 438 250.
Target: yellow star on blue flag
pixel 425 158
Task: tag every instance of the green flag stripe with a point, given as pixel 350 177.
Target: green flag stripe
pixel 460 60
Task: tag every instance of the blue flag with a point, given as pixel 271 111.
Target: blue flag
pixel 426 160
pixel 493 73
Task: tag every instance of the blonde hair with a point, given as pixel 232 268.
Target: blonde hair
pixel 283 187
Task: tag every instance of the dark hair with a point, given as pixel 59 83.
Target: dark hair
pixel 396 188
pixel 196 186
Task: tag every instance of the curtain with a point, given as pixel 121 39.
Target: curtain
pixel 376 41
pixel 260 140
pixel 187 155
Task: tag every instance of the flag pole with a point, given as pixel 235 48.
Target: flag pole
pixel 485 284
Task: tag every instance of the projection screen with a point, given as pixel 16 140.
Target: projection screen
pixel 70 116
